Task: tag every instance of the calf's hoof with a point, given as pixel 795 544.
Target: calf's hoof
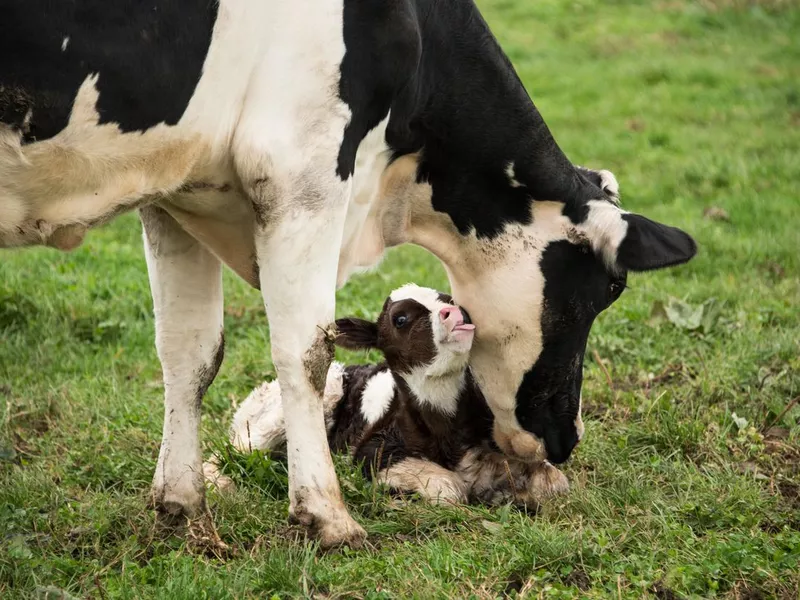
pixel 216 479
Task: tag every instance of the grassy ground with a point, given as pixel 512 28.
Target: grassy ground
pixel 688 480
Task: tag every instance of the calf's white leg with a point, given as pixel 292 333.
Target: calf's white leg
pixel 186 284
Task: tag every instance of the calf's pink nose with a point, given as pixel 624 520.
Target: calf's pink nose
pixel 448 311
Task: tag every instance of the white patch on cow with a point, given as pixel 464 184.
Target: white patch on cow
pixel 512 178
pixel 579 427
pixel 605 228
pixel 428 297
pixel 285 146
pixel 64 43
pixel 298 281
pixel 430 480
pixel 363 244
pixel 377 396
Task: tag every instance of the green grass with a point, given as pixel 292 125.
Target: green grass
pixel 692 105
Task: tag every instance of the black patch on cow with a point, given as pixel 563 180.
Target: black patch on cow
pixel 206 374
pixel 577 288
pixel 649 245
pixel 149 57
pixel 454 96
pixel 382 48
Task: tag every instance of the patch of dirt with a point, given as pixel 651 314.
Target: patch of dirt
pixel 742 591
pixel 579 579
pixel 595 411
pixel 790 493
pixel 675 373
pixel 514 586
pixel 636 125
pixel 662 592
pixel 716 213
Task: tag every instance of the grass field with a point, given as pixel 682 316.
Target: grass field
pixel 688 481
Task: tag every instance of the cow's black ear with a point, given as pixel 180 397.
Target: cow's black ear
pixel 648 245
pixel 356 334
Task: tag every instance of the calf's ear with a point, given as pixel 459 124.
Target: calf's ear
pixel 648 245
pixel 356 334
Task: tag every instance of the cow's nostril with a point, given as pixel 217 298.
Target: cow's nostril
pixel 445 313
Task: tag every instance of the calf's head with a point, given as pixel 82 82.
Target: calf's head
pixel 426 339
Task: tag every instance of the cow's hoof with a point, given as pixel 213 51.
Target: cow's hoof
pixel 546 481
pixel 341 532
pixel 331 530
pixel 176 507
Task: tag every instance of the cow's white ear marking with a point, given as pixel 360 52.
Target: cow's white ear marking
pixel 609 184
pixel 377 396
pixel 64 43
pixel 605 228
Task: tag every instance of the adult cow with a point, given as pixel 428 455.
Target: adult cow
pixel 285 139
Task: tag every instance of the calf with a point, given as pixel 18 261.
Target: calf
pixel 417 422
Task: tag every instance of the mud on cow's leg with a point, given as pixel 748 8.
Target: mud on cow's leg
pixel 300 224
pixel 186 284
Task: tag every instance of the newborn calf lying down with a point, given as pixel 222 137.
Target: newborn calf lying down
pixel 418 421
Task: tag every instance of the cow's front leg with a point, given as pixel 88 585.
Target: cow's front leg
pixel 186 283
pixel 298 240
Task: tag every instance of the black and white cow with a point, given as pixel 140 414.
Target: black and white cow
pixel 294 142
pixel 417 422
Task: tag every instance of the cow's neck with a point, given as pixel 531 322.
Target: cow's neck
pixel 486 150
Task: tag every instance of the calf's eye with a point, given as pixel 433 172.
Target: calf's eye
pixel 400 321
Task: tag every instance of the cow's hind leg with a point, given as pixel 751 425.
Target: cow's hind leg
pixel 186 283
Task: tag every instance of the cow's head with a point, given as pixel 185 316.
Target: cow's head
pixel 533 291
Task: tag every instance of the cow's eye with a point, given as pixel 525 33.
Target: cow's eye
pixel 615 288
pixel 400 321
